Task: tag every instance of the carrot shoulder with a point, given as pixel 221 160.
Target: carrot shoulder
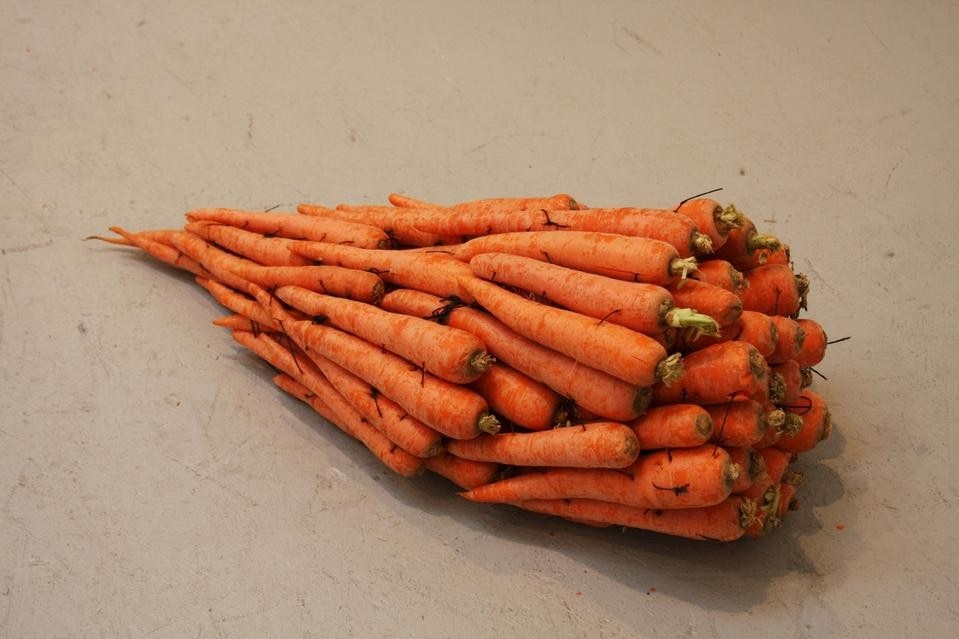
pixel 520 398
pixel 716 374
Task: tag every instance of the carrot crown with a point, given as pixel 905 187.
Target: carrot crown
pixel 729 218
pixel 670 369
pixel 701 323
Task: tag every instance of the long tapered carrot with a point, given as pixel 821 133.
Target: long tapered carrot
pixel 636 259
pixel 150 244
pixel 673 426
pixel 751 465
pixel 712 218
pixel 624 353
pixel 465 473
pixel 452 409
pixel 716 374
pixel 520 398
pixel 433 273
pixel 816 423
pixel 154 235
pixel 775 290
pixel 725 521
pixel 597 391
pixel 595 445
pixel 742 423
pixel 646 308
pixel 449 353
pixel 722 274
pixel 296 227
pixel 560 201
pixel 241 304
pixel 814 345
pixel 680 478
pixel 723 306
pixel 400 228
pixel 340 415
pixel 266 251
pixel 237 322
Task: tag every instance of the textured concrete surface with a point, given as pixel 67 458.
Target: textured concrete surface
pixel 152 481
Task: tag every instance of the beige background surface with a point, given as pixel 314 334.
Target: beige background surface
pixel 152 481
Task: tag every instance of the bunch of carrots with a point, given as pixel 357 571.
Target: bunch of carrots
pixel 635 367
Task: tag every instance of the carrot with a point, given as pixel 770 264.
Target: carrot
pixel 449 353
pixel 753 328
pixel 791 425
pixel 778 255
pixel 646 308
pixel 465 473
pixel 241 304
pixel 774 289
pixel 743 242
pixel 816 424
pixel 723 306
pixel 765 494
pixel 814 345
pixel 751 465
pixel 722 274
pixel 150 243
pixel 296 227
pixel 723 522
pixel 774 392
pixel 451 409
pixel 237 273
pixel 680 478
pixel 787 500
pixel 742 423
pixel 622 257
pixel 626 354
pixel 716 374
pixel 396 223
pixel 712 219
pixel 237 322
pixel 521 399
pixel 777 463
pixel 560 201
pixel 789 342
pixel 352 424
pixel 791 372
pixel 595 445
pixel 592 389
pixel 673 426
pixel 433 273
pixel 266 251
pixel 407 202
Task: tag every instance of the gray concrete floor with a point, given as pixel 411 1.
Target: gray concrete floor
pixel 152 481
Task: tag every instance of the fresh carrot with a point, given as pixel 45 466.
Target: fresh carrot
pixel 762 257
pixel 636 259
pixel 673 426
pixel 237 322
pixel 626 354
pixel 162 236
pixel 396 223
pixel 816 423
pixel 787 500
pixel 765 494
pixel 449 353
pixel 680 478
pixel 722 274
pixel 646 308
pixel 789 342
pixel 742 423
pixel 712 219
pixel 723 306
pixel 237 273
pixel 743 242
pixel 716 374
pixel 452 409
pixel 774 392
pixel 597 391
pixel 595 445
pixel 266 251
pixel 560 201
pixel 407 202
pixel 791 372
pixel 814 345
pixel 296 227
pixel 774 289
pixel 777 463
pixel 791 425
pixel 520 398
pixel 151 244
pixel 435 273
pixel 465 473
pixel 241 304
pixel 725 521
pixel 751 465
pixel 753 328
pixel 352 424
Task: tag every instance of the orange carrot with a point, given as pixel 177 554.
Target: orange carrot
pixel 723 522
pixel 789 342
pixel 434 273
pixel 742 423
pixel 673 426
pixel 352 424
pixel 716 374
pixel 722 274
pixel 791 372
pixel 595 445
pixel 791 425
pixel 296 227
pixel 636 259
pixel 787 500
pixel 397 224
pixel 465 473
pixel 751 466
pixel 680 478
pixel 521 399
pixel 451 409
pixel 646 308
pixel 723 306
pixel 266 251
pixel 599 392
pixel 560 201
pixel 814 345
pixel 753 328
pixel 449 353
pixel 777 463
pixel 765 494
pixel 407 202
pixel 712 219
pixel 149 242
pixel 817 422
pixel 162 236
pixel 626 354
pixel 237 322
pixel 743 242
pixel 774 289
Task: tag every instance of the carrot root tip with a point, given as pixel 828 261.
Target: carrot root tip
pixel 670 369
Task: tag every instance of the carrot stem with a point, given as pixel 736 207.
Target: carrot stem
pixel 681 266
pixel 756 241
pixel 689 318
pixel 670 369
pixel 701 243
pixel 730 218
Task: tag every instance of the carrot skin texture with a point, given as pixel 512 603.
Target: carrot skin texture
pixel 772 289
pixel 560 201
pixel 817 423
pixel 723 306
pixel 716 374
pixel 707 215
pixel 776 462
pixel 595 445
pixel 519 398
pixel 400 230
pixel 751 467
pixel 814 345
pixel 673 426
pixel 266 251
pixel 296 227
pixel 791 372
pixel 738 424
pixel 240 304
pixel 753 328
pixel 790 337
pixel 465 473
pixel 722 274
